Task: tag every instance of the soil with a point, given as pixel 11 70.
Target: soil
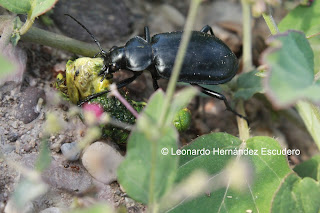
pixel 22 115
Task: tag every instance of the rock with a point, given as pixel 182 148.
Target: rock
pixel 95 16
pixel 7 148
pixel 13 136
pixel 11 208
pixel 102 160
pixel 27 109
pixel 51 210
pixel 104 191
pixel 59 177
pixel 71 151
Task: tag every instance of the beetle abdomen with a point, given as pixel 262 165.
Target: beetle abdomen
pixel 207 61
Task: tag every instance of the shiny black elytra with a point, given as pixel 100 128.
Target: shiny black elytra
pixel 207 61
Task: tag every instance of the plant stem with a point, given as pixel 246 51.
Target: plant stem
pixel 115 92
pixel 242 123
pixel 43 37
pixel 271 23
pixel 247 64
pixel 179 59
pixel 247 38
pixel 26 26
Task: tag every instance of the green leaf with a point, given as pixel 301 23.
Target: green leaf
pixel 16 6
pixel 6 67
pixel 15 37
pixel 180 100
pixel 44 157
pixel 27 190
pixel 310 114
pixel 290 64
pixel 41 6
pixel 97 208
pixel 146 174
pixel 297 195
pixel 309 168
pixel 248 84
pixel 260 182
pixel 305 19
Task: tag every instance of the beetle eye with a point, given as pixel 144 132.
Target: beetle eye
pixel 114 67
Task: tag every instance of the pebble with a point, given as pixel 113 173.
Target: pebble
pixel 7 148
pixel 11 208
pixel 51 210
pixel 26 109
pixel 14 124
pixel 57 177
pixel 102 160
pixel 71 151
pixel 13 136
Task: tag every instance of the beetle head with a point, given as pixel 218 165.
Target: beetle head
pixel 114 60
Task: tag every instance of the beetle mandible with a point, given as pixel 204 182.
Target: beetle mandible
pixel 208 60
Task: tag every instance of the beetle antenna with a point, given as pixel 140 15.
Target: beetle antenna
pixel 92 36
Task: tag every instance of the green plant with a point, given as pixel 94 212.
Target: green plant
pixel 246 174
pixel 219 172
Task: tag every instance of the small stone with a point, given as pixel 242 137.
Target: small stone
pixel 32 143
pixel 27 109
pixel 102 160
pixel 18 147
pixel 55 147
pixel 58 177
pixel 129 202
pixel 71 151
pixel 7 148
pixel 11 208
pixel 13 136
pixel 51 210
pixel 14 124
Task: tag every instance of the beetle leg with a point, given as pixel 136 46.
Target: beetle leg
pixel 206 29
pixel 154 79
pixel 220 97
pixel 155 84
pixel 119 85
pixel 127 81
pixel 147 34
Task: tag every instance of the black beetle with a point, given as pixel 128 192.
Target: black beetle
pixel 207 61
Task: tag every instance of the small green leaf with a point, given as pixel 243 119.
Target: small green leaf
pixel 248 84
pixel 305 19
pixel 309 168
pixel 16 6
pixel 15 37
pixel 310 114
pixel 44 157
pixel 180 100
pixel 40 7
pixel 290 64
pixel 260 182
pixel 297 195
pixel 97 208
pixel 148 170
pixel 27 190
